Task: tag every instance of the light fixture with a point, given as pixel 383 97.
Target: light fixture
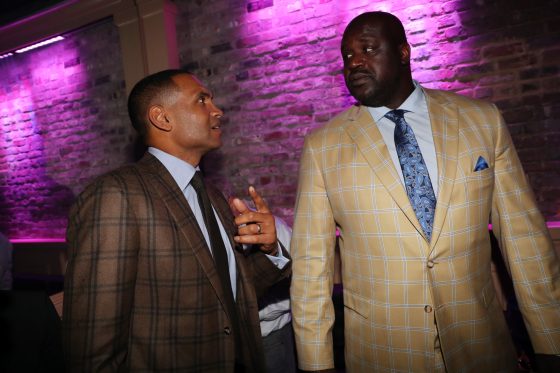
pixel 6 55
pixel 40 44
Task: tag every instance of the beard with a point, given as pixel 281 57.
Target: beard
pixel 370 91
pixel 370 96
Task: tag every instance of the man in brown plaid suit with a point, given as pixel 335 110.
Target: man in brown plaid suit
pixel 418 292
pixel 142 290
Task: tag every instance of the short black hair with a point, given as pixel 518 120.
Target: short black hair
pixel 392 26
pixel 144 93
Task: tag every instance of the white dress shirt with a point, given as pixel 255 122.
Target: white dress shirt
pixel 182 172
pixel 418 118
pixel 275 316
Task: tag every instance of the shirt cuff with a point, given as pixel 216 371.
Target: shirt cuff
pixel 279 260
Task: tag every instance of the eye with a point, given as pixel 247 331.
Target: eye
pixel 346 56
pixel 202 99
pixel 370 50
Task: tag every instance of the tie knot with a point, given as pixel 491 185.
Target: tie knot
pixel 197 182
pixel 396 115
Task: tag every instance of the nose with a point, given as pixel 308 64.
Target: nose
pixel 355 60
pixel 217 112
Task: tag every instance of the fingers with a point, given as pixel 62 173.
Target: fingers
pixel 238 206
pixel 232 207
pixel 262 215
pixel 255 227
pixel 263 232
pixel 260 203
pixel 256 239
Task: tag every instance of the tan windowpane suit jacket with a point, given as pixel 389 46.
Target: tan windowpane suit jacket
pixel 401 292
pixel 142 292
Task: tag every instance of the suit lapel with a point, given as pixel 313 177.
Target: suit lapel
pixel 445 131
pixel 165 186
pixel 364 132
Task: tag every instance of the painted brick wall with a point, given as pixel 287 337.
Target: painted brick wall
pixel 63 121
pixel 275 68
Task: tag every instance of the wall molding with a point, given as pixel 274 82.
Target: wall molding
pixel 146 28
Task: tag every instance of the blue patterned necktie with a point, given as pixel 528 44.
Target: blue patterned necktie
pixel 415 173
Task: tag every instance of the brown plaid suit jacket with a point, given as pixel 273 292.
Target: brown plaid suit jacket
pixel 397 285
pixel 141 289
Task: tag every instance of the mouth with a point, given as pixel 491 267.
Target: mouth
pixel 216 126
pixel 357 79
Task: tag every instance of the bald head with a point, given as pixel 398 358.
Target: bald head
pixel 376 59
pixel 390 25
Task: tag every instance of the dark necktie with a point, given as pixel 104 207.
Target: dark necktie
pixel 218 252
pixel 415 173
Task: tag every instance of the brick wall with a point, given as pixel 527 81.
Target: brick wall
pixel 275 68
pixel 63 121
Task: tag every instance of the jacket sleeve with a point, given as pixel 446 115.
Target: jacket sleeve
pixel 312 249
pixel 265 272
pixel 99 283
pixel 526 246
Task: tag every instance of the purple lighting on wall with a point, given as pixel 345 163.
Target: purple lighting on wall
pixel 38 86
pixel 307 20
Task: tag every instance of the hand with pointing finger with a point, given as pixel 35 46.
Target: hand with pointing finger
pixel 255 227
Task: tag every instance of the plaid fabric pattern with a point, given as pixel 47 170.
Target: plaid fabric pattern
pixel 397 285
pixel 141 290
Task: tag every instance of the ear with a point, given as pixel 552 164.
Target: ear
pixel 404 49
pixel 158 118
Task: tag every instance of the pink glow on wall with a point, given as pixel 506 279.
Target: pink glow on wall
pixel 63 121
pixel 286 72
pixel 37 240
pixel 427 35
pixel 273 32
pixel 36 84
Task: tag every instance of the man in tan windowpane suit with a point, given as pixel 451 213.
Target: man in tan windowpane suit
pixel 415 302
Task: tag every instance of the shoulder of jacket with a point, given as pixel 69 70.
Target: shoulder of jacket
pixel 124 177
pixel 335 124
pixel 456 98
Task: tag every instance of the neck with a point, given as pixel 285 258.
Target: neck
pixel 407 87
pixel 191 157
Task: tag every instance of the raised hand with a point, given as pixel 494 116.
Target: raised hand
pixel 255 227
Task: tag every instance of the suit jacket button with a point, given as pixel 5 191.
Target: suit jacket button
pixel 227 330
pixel 430 264
pixel 428 309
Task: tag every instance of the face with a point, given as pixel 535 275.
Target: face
pixel 194 119
pixel 375 69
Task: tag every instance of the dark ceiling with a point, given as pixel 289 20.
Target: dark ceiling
pixel 14 10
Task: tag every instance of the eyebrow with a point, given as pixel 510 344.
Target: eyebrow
pixel 363 39
pixel 205 94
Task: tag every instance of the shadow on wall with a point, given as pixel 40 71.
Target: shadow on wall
pixel 38 210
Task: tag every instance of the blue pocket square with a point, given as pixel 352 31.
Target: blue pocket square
pixel 481 164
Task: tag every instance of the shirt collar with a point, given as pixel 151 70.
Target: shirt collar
pixel 415 102
pixel 181 171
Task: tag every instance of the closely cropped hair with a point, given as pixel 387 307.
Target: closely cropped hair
pixel 145 92
pixel 392 25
